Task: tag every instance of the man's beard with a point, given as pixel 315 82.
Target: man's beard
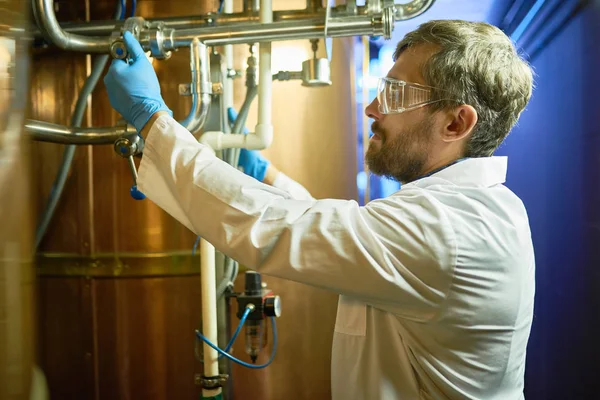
pixel 402 157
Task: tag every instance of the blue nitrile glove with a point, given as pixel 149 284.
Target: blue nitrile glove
pixel 232 115
pixel 250 162
pixel 253 164
pixel 133 88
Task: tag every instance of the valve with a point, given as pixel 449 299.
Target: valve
pixel 128 146
pixel 263 304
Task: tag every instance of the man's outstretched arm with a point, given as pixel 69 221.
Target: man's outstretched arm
pixel 397 253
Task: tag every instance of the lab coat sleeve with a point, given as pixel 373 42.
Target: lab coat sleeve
pixel 398 253
pixel 291 187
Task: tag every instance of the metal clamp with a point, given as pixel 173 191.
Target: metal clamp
pixel 388 22
pixel 211 382
pixel 153 36
pixel 159 38
pixel 128 146
pixel 233 73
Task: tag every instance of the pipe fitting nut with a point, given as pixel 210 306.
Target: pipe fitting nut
pixel 129 145
pixel 118 50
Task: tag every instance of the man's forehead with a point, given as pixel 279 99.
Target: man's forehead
pixel 409 65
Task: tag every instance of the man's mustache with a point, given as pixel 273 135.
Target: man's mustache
pixel 375 128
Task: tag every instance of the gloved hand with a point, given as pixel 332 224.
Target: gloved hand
pixel 253 164
pixel 133 89
pixel 250 162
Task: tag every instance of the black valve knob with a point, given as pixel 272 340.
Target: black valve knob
pixel 253 284
pixel 272 307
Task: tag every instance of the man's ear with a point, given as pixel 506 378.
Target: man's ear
pixel 460 123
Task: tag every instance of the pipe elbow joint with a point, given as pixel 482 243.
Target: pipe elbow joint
pixel 263 137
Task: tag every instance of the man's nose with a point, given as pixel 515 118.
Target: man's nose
pixel 372 110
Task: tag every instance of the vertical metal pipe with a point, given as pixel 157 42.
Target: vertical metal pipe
pixel 200 87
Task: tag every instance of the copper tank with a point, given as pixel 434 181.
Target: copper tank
pixel 119 292
pixel 16 273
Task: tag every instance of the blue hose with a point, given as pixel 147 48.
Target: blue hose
pixel 69 153
pixel 237 331
pixel 242 363
pixel 195 246
pixel 123 9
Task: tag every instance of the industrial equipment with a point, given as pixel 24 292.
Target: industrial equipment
pixel 209 39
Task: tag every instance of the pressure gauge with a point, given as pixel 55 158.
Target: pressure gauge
pixel 273 306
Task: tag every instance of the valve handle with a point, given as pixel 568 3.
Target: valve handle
pixel 136 194
pixel 127 146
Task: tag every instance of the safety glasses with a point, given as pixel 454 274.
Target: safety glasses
pixel 396 96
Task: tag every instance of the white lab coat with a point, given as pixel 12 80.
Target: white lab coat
pixel 436 281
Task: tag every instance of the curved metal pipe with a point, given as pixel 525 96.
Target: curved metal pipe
pixel 289 30
pixel 107 27
pixel 201 87
pixel 54 133
pixel 292 24
pixel 44 9
pixel 412 9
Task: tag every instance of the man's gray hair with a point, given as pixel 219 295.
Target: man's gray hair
pixel 476 64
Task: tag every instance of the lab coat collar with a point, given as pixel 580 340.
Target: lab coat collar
pixel 480 171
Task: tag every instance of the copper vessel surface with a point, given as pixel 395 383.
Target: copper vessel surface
pixel 119 290
pixel 16 274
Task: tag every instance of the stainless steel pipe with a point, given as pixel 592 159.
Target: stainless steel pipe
pixel 412 9
pixel 44 10
pixel 105 28
pixel 54 133
pixel 289 30
pixel 294 24
pixel 200 87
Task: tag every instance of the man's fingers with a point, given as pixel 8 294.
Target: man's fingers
pixel 133 46
pixel 118 65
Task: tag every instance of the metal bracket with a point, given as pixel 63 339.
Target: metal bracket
pixel 217 88
pixel 234 73
pixel 185 89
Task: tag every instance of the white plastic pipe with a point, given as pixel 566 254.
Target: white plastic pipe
pixel 264 128
pixel 228 83
pixel 209 312
pixel 263 133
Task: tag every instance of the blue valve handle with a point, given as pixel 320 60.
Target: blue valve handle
pixel 136 194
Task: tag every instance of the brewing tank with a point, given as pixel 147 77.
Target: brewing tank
pixel 16 273
pixel 119 288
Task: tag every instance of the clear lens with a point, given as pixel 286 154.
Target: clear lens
pixel 396 96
